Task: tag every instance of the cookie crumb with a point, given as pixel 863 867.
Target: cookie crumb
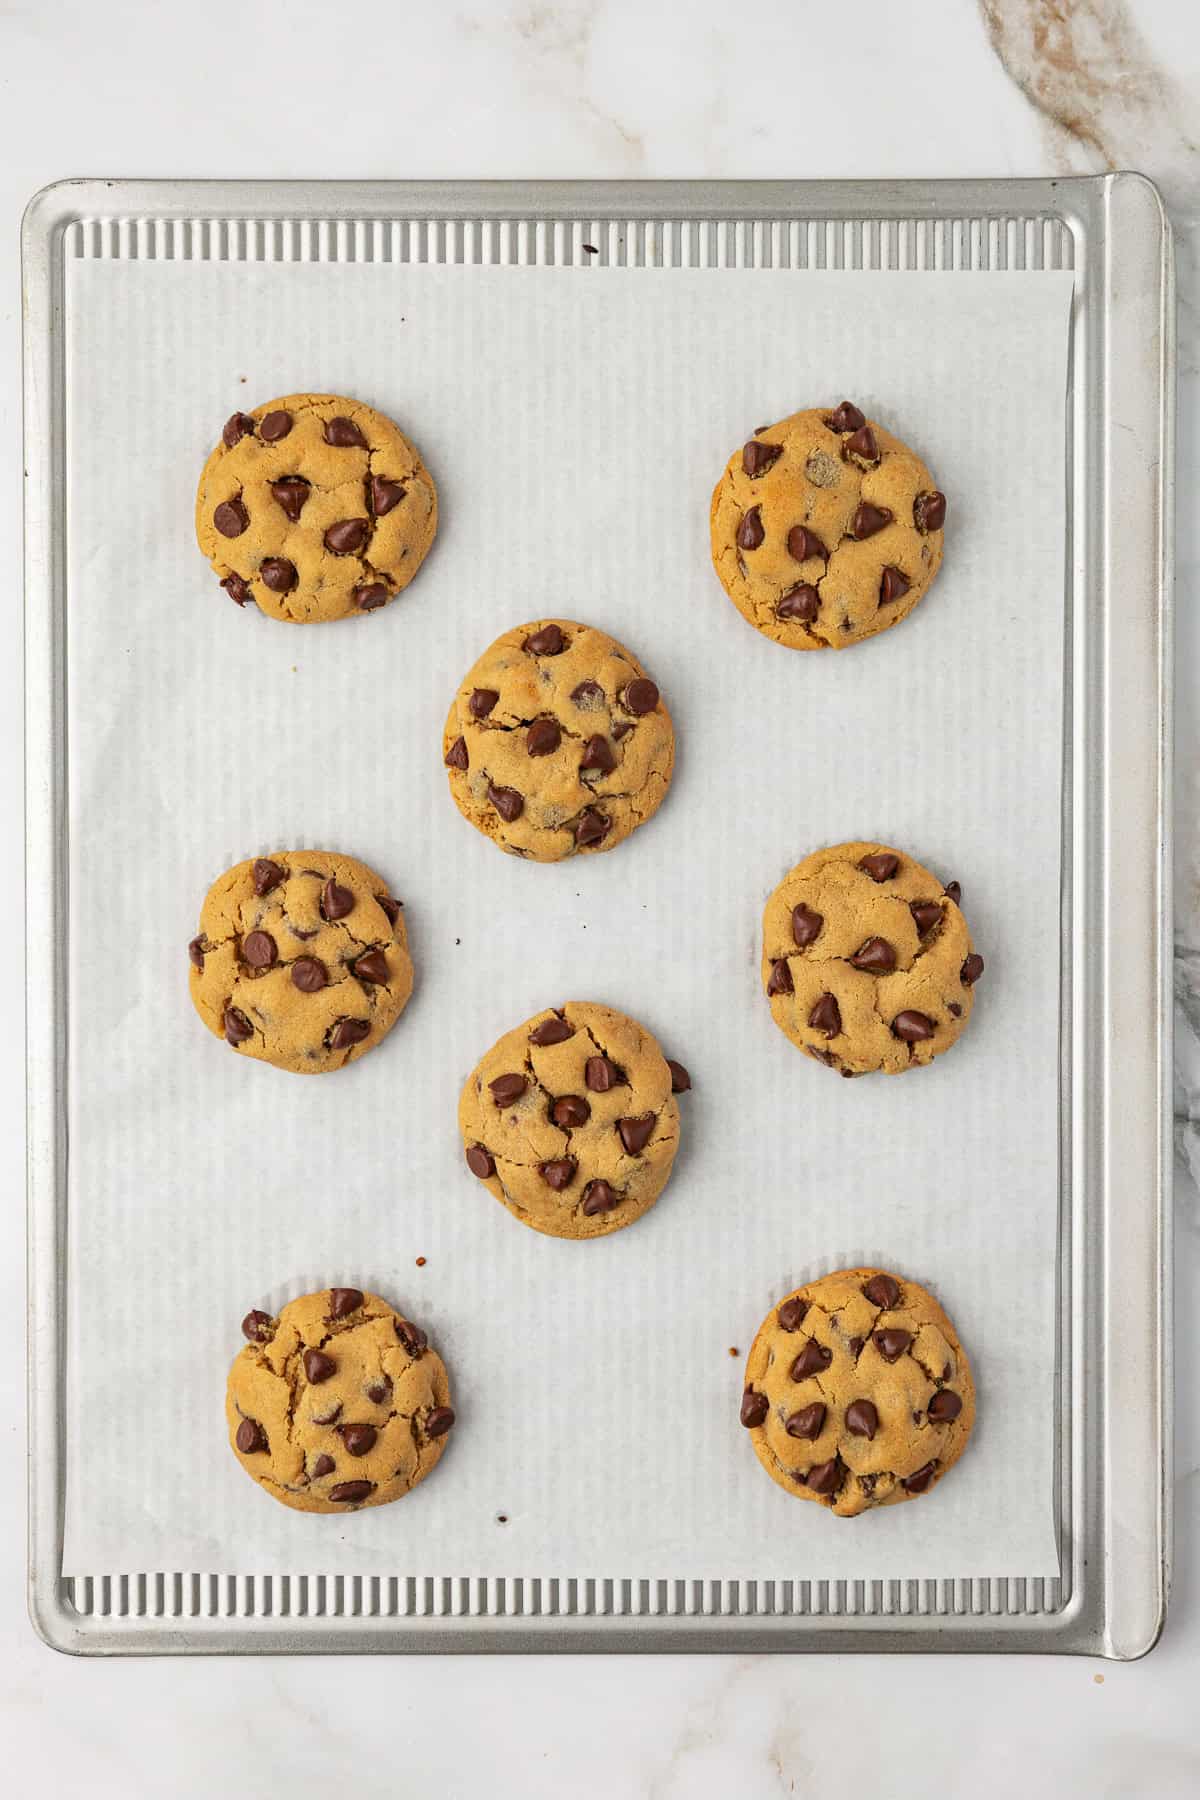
pixel 420 1262
pixel 502 1518
pixel 734 1351
pixel 1099 1680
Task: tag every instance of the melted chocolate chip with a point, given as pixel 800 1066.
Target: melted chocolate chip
pixel 926 914
pixel 882 1290
pixel 599 1197
pixel 336 901
pixel 358 1439
pixel 324 1465
pixel 196 952
pixel 953 891
pixel 237 1026
pixel 636 1133
pixel 846 417
pixel 757 457
pixel 457 756
pixel 237 589
pixel 681 1081
pixel 259 949
pixel 343 1301
pixel 876 955
pixel 347 536
pixel 806 925
pixel 807 1422
pixel 600 1074
pixel 812 1359
pixel 861 446
pixel 506 1090
pixel 258 1327
pixel 591 827
pixel 238 425
pixel 275 425
pixel 598 754
pixel 750 533
pixel 482 702
pixel 891 1342
pixel 893 585
pixel 371 967
pixel 551 1031
pixel 779 981
pixel 881 865
pixel 944 1406
pixel 480 1162
pixel 507 802
pixel 971 970
pixel 754 1408
pixel 390 907
pixel 862 1418
pixel 826 1016
pixel 370 596
pixel 802 602
pixel 918 1483
pixel 825 1477
pixel 558 1173
pixel 266 875
pixel 292 494
pixel 351 1492
pixel 803 544
pixel 412 1337
pixel 343 434
pixel 439 1421
pixel 640 696
pixel 913 1027
pixel 792 1313
pixel 250 1438
pixel 570 1112
pixel 929 511
pixel 543 737
pixel 308 974
pixel 347 1032
pixel 868 520
pixel 549 641
pixel 278 574
pixel 384 495
pixel 317 1366
pixel 586 692
pixel 231 518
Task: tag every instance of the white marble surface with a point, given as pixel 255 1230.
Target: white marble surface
pixel 606 88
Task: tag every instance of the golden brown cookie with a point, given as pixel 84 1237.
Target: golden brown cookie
pixel 571 1120
pixel 315 507
pixel 337 1404
pixel 826 529
pixel 301 960
pixel 858 1392
pixel 867 961
pixel 558 742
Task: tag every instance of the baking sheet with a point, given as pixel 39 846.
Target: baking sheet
pixel 575 422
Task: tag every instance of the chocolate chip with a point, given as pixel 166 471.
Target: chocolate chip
pixel 807 1422
pixel 681 1081
pixel 238 425
pixel 929 511
pixel 482 702
pixel 750 533
pixel 275 425
pixel 570 1112
pixel 826 1016
pixel 480 1162
pixel 876 955
pixel 791 1314
pixel 954 1008
pixel 971 970
pixel 317 1366
pixel 347 1032
pixel 812 1359
pixel 351 1491
pixel 385 495
pixel 590 827
pixel 266 875
pixel 854 1345
pixel 507 802
pixel 551 1031
pixel 237 589
pixel 891 1342
pixel 196 952
pixel 882 1290
pixel 370 596
pixel 549 641
pixel 598 1197
pixel 558 1173
pixel 543 737
pixel 259 949
pixel 308 974
pixel 944 1406
pixel 757 457
pixel 507 1089
pixel 597 754
pixel 237 1026
pixel 600 1074
pixel 862 446
pixel 918 1483
pixel 412 1337
pixel 926 914
pixel 378 1392
pixel 862 1418
pixel 336 901
pixel 621 728
pixel 250 1438
pixel 358 1439
pixel 953 891
pixel 371 967
pixel 342 433
pixel 868 520
pixel 344 1301
pixel 390 907
pixel 802 602
pixel 640 696
pixel 324 1465
pixel 824 1477
pixel 881 865
pixel 779 981
pixel 347 535
pixel 292 493
pixel 754 1408
pixel 913 1027
pixel 330 1416
pixel 846 417
pixel 258 1327
pixel 278 574
pixel 803 544
pixel 231 518
pixel 587 691
pixel 893 585
pixel 636 1133
pixel 439 1421
pixel 806 925
pixel 457 756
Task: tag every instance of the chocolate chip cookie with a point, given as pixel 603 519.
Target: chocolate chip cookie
pixel 315 507
pixel 301 960
pixel 558 743
pixel 858 1392
pixel 338 1403
pixel 867 961
pixel 826 529
pixel 571 1120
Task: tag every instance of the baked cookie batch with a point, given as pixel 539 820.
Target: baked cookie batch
pixel 826 530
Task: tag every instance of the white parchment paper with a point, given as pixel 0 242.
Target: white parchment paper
pixel 575 421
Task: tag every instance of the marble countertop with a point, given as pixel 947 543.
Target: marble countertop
pixel 638 88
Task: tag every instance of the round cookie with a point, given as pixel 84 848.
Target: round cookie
pixel 558 743
pixel 867 961
pixel 826 529
pixel 301 960
pixel 571 1120
pixel 858 1392
pixel 337 1404
pixel 315 507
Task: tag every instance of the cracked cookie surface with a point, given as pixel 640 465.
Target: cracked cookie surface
pixel 301 960
pixel 858 1393
pixel 826 529
pixel 315 507
pixel 571 1120
pixel 867 961
pixel 337 1404
pixel 558 743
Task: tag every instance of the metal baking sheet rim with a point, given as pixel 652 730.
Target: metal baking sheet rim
pixel 1115 1218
